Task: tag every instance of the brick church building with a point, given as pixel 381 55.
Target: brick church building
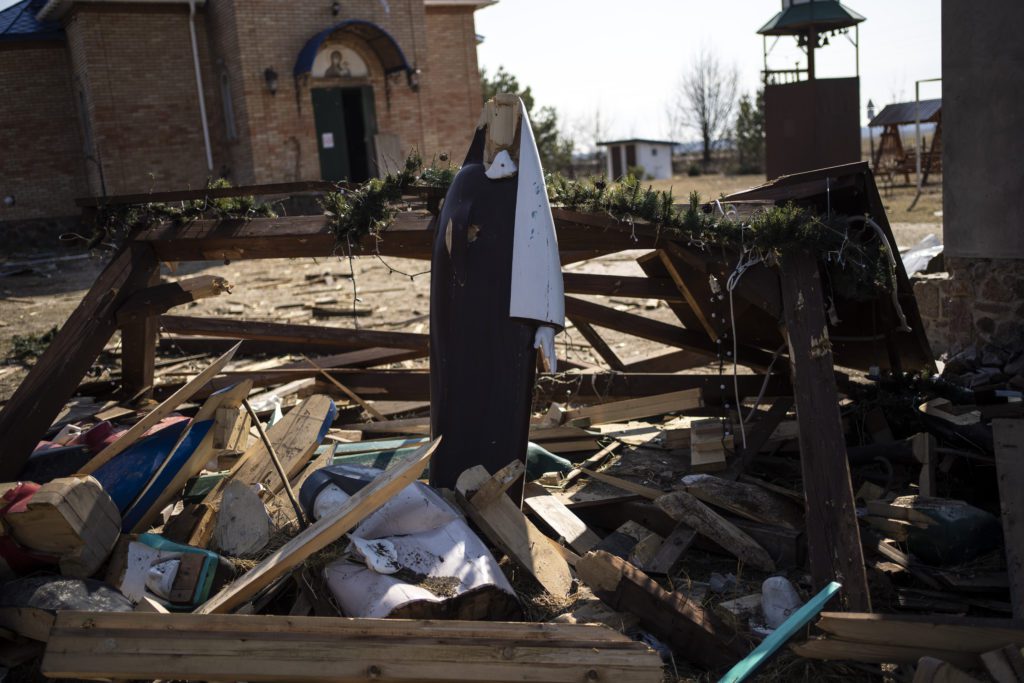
pixel 113 97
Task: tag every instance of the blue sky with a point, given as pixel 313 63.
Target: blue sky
pixel 624 58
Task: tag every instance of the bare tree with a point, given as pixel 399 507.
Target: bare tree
pixel 704 100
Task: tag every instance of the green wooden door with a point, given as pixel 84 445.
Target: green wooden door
pixel 331 141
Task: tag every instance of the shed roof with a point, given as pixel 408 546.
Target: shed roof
pixel 797 18
pixel 18 22
pixel 906 112
pixel 635 140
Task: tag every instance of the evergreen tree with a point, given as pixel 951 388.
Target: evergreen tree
pixel 750 133
pixel 554 147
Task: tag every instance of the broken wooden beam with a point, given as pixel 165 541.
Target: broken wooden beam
pixel 696 633
pixel 158 298
pixel 139 646
pixel 683 507
pixel 340 338
pixel 833 536
pixel 55 376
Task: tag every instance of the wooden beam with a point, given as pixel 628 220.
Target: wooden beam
pixel 655 330
pixel 694 632
pixel 1009 450
pixel 139 646
pixel 833 536
pixel 673 361
pixel 293 334
pixel 697 292
pixel 599 345
pixel 57 373
pixel 208 193
pixel 559 518
pixel 926 631
pixel 636 408
pixel 322 533
pixel 626 286
pixel 138 347
pixel 156 298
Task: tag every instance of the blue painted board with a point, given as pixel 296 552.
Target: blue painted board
pixel 153 490
pixel 127 473
pixel 796 621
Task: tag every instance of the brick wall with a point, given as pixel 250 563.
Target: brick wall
pixel 41 163
pixel 454 75
pixel 136 68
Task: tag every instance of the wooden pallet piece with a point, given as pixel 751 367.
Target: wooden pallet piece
pixel 165 408
pixel 339 650
pixel 683 507
pixel 698 634
pixel 56 375
pixel 559 518
pixel 320 534
pixel 482 497
pixel 1008 436
pixel 833 536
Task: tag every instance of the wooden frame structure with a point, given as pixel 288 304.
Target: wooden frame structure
pixel 682 275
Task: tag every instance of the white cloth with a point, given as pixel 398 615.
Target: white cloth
pixel 537 290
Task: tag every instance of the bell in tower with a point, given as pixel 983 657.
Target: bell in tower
pixel 810 122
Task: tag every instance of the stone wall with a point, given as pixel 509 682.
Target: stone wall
pixel 977 302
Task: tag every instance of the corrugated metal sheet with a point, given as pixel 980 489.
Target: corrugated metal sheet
pixel 906 112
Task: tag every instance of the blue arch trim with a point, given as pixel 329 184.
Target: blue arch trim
pixel 380 41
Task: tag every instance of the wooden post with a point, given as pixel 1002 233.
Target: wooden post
pixel 833 537
pixel 138 352
pixel 1009 451
pixel 56 375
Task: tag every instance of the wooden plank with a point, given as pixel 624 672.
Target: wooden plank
pixel 673 361
pixel 229 398
pixel 505 525
pixel 671 551
pixel 160 412
pixel 683 507
pixel 636 408
pixel 696 295
pixel 1008 436
pixel 694 632
pixel 370 410
pixel 320 534
pixel 763 429
pixel 745 500
pixel 833 536
pixel 559 518
pixel 599 345
pixel 625 485
pixel 56 375
pixel 339 650
pixel 626 286
pixel 878 653
pixel 292 334
pixel 927 631
pixel 208 193
pixel 596 460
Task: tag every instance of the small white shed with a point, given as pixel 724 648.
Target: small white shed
pixel 654 156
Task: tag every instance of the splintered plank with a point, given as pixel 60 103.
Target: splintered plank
pixel 484 500
pixel 694 632
pixel 160 412
pixel 321 533
pixel 339 650
pixel 833 537
pixel 683 507
pixel 55 376
pixel 927 631
pixel 1009 451
pixel 561 519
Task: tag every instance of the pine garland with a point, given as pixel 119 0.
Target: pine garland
pixel 115 222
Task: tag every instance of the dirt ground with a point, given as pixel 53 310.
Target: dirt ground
pixel 390 294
